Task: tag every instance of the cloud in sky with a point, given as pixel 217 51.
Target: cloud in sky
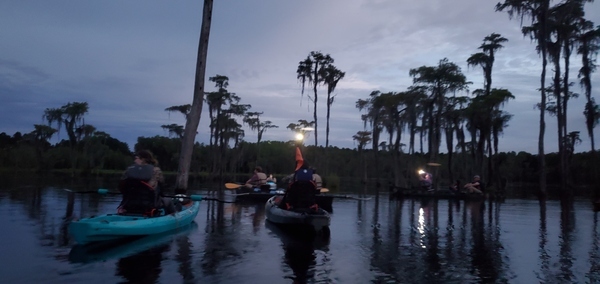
pixel 132 59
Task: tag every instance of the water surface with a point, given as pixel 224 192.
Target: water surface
pixel 375 241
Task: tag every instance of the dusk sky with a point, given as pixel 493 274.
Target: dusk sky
pixel 132 59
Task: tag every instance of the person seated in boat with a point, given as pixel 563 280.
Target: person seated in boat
pixel 317 180
pixel 301 192
pixel 272 179
pixel 258 179
pixel 272 183
pixel 141 184
pixel 475 186
pixel 425 180
pixel 455 188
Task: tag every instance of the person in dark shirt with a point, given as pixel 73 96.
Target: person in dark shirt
pixel 141 185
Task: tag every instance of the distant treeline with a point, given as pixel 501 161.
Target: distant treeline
pixel 99 154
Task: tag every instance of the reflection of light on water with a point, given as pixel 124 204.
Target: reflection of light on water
pixel 421 226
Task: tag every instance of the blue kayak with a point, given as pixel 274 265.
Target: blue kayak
pixel 110 227
pixel 102 251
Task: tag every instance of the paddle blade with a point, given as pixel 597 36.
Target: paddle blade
pixel 195 197
pixel 102 191
pixel 324 189
pixel 230 185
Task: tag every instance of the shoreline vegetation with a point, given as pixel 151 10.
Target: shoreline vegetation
pixel 206 181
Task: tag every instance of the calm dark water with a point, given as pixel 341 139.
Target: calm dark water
pixel 375 241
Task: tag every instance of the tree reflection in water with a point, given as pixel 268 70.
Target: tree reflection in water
pixel 594 273
pixel 144 267
pixel 300 253
pixel 449 246
pixel 400 241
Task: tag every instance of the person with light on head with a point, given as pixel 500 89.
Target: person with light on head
pixel 475 186
pixel 425 180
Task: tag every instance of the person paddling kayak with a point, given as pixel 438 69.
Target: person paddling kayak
pixel 141 185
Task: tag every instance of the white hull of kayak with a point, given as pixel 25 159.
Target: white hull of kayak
pixel 317 221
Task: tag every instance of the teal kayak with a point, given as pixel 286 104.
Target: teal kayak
pixel 102 251
pixel 109 227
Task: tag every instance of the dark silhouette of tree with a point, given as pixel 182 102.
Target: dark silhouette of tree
pixel 312 71
pixel 173 129
pixel 40 138
pixel 254 122
pixel 193 118
pixel 375 118
pixel 538 12
pixel 588 47
pixel 363 138
pixel 438 81
pixel 69 116
pixel 332 78
pixel 491 44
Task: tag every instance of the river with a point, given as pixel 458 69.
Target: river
pixel 374 241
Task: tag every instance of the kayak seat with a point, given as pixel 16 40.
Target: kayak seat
pixel 265 188
pixel 138 198
pixel 313 210
pixel 300 195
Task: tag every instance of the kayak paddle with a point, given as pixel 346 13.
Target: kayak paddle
pixel 231 185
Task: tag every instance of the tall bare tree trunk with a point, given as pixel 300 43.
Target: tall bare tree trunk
pixel 193 119
pixel 543 40
pixel 541 155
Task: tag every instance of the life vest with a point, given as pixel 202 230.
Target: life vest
pixel 318 181
pixel 303 175
pixel 262 178
pixel 300 196
pixel 138 196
